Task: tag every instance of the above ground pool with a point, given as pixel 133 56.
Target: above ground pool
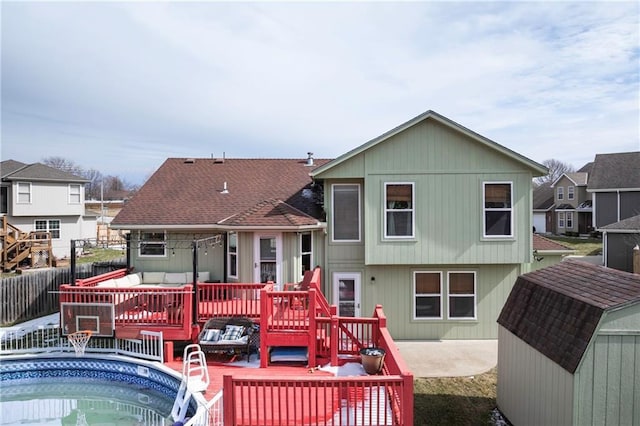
pixel 86 391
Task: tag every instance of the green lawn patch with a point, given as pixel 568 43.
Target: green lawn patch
pixel 582 246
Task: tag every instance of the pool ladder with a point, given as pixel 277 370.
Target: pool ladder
pixel 195 378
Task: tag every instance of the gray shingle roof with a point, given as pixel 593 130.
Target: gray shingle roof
pixel 38 172
pixel 543 197
pixel 580 179
pixel 9 166
pixel 629 224
pixel 615 171
pixel 556 310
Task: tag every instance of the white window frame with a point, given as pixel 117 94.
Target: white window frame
pixel 333 215
pixel 569 220
pixel 485 210
pixel 52 230
pixel 232 256
pixel 386 210
pixel 415 296
pixel 306 253
pixel 142 242
pixel 561 218
pixel 75 192
pixel 474 295
pixel 571 192
pixel 560 193
pixel 22 191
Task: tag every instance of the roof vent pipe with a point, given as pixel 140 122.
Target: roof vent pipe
pixel 309 159
pixel 224 189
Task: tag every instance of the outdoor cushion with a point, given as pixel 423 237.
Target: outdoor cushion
pixel 175 277
pixel 203 276
pixel 122 282
pixel 212 335
pixel 232 332
pixel 152 277
pixel 239 340
pixel 135 279
pixel 107 283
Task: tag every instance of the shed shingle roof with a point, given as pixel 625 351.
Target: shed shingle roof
pixel 615 171
pixel 556 310
pixel 541 243
pixel 629 224
pixel 189 193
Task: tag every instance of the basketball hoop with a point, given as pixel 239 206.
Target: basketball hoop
pixel 79 340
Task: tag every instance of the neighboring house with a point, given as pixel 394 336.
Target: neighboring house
pixel 430 219
pixel 614 184
pixel 619 239
pixel 568 346
pixel 572 204
pixel 36 197
pixel 106 210
pixel 543 209
pixel 255 220
pixel 546 252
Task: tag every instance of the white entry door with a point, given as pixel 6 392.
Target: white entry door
pixel 346 293
pixel 268 258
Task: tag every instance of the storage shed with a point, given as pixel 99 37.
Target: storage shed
pixel 569 347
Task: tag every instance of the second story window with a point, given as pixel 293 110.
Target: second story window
pixel 560 192
pixel 570 193
pixel 74 194
pixel 398 210
pixel 346 212
pixel 232 255
pixel 306 251
pixel 498 209
pixel 24 193
pixel 153 244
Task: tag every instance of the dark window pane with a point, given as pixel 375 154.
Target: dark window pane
pixel 428 307
pixel 346 220
pixel 498 222
pixel 399 224
pixel 427 283
pixel 461 283
pixel 461 307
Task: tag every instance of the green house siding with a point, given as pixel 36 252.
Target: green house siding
pixel 392 287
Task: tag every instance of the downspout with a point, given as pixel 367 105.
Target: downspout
pixel 128 254
pixel 194 315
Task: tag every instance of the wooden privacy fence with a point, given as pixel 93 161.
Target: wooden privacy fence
pixel 35 294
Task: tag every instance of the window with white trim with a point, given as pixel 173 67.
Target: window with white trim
pixel 74 194
pixel 560 219
pixel 398 210
pixel 232 255
pixel 152 244
pixel 306 251
pixel 52 226
pixel 570 192
pixel 569 219
pixel 560 192
pixel 462 295
pixel 497 209
pixel 345 202
pixel 427 291
pixel 24 193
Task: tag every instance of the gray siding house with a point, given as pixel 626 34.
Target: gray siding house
pixel 572 204
pixel 614 184
pixel 568 346
pixel 36 197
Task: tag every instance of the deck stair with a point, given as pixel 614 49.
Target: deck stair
pixel 195 378
pixel 18 246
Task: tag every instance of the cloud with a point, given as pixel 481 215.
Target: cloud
pixel 140 82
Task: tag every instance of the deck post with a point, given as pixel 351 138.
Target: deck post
pixel 265 313
pixel 333 342
pixel 73 262
pixel 194 314
pixel 227 400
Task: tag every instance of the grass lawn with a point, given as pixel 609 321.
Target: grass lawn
pixel 464 401
pixel 582 246
pixel 100 255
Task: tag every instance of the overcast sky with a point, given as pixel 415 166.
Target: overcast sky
pixel 119 87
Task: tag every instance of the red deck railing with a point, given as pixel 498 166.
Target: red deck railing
pixel 287 318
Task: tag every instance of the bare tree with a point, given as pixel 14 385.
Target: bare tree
pixel 92 188
pixel 556 169
pixel 63 164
